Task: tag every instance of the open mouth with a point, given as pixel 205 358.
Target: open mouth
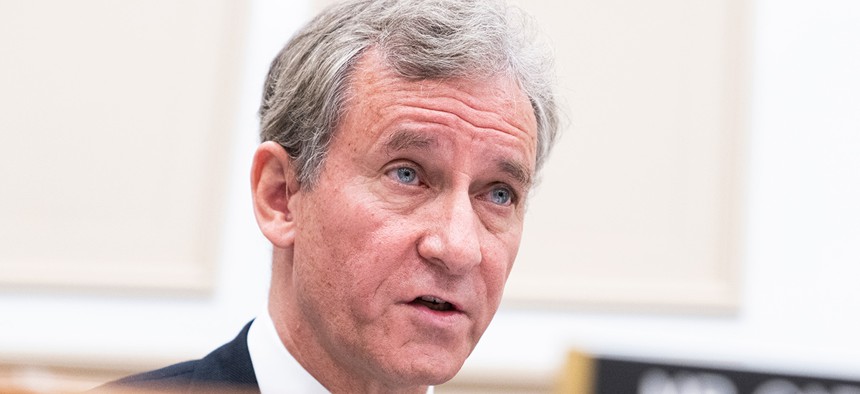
pixel 433 303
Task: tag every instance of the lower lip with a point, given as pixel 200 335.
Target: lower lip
pixel 441 319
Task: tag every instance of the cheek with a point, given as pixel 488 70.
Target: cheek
pixel 323 245
pixel 349 254
pixel 499 261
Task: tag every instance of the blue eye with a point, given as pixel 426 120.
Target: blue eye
pixel 406 175
pixel 501 196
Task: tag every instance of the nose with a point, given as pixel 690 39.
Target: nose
pixel 452 239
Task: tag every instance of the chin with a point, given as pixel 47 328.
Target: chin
pixel 432 371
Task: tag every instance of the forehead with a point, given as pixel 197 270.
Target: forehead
pixel 484 103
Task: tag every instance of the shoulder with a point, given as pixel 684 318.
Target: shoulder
pixel 227 368
pixel 176 377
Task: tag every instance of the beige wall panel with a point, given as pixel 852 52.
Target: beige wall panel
pixel 638 204
pixel 115 120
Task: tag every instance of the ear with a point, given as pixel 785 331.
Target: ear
pixel 273 185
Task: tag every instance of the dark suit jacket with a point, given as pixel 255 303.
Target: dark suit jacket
pixel 227 369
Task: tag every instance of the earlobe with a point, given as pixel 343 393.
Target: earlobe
pixel 273 185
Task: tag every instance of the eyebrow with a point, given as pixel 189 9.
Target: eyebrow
pixel 516 171
pixel 404 140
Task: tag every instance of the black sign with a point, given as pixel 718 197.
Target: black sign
pixel 622 377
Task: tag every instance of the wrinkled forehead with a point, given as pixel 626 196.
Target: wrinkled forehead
pixel 498 93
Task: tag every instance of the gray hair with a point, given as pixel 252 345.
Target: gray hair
pixel 305 91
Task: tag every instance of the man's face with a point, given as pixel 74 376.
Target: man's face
pixel 403 247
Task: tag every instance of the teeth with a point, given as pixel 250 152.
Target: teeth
pixel 434 303
pixel 432 299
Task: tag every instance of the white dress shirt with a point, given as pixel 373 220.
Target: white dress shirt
pixel 276 369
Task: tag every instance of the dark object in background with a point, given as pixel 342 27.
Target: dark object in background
pixel 587 375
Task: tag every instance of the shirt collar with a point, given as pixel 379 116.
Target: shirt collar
pixel 276 369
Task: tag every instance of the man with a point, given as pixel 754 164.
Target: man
pixel 401 139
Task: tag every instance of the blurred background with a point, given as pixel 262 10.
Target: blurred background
pixel 701 207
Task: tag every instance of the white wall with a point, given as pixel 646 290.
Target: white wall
pixel 800 307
